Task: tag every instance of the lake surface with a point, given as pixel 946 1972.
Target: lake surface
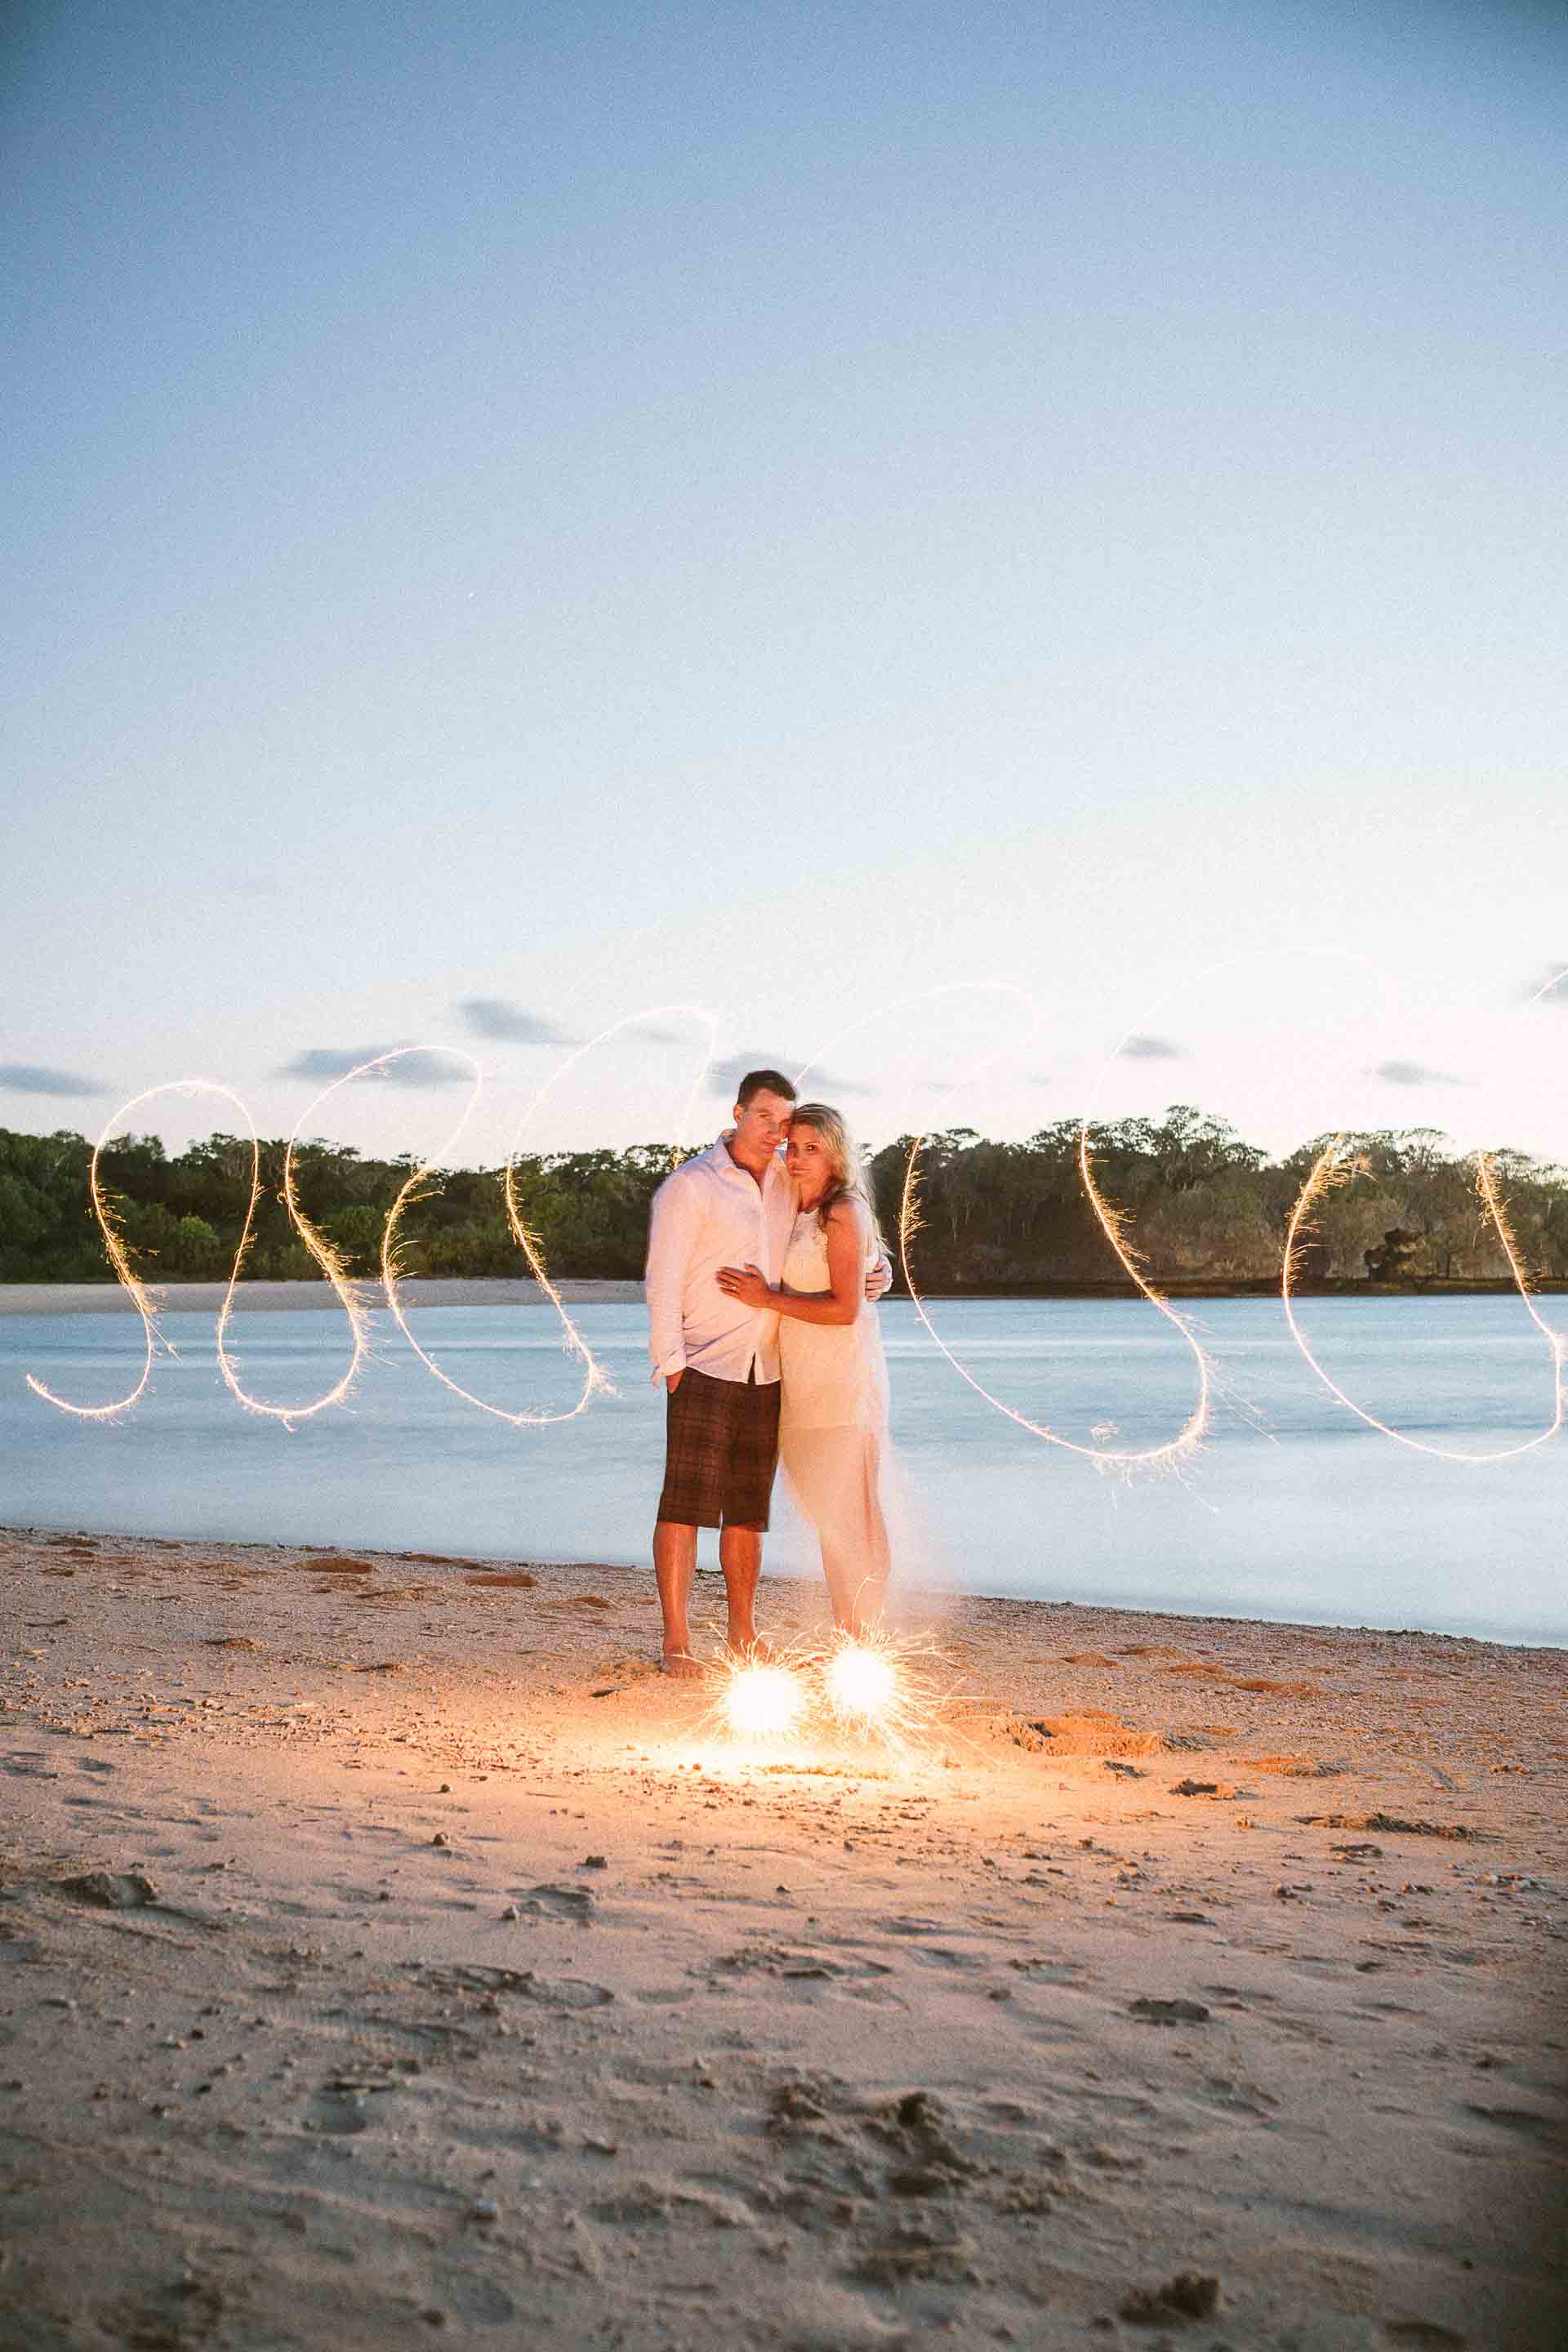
pixel 1293 1509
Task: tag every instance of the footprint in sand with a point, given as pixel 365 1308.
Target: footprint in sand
pixel 777 1960
pixel 557 1993
pixel 1547 2131
pixel 573 1903
pixel 468 2296
pixel 339 2111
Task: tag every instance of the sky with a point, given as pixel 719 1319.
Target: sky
pixel 1014 549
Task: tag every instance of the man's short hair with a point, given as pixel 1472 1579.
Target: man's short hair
pixel 756 1082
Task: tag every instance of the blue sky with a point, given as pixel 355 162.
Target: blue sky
pixel 523 514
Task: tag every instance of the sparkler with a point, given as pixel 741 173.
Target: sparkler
pixel 882 1684
pixel 1331 1168
pixel 872 1686
pixel 860 1682
pixel 763 1702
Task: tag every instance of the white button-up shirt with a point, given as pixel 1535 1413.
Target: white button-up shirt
pixel 710 1213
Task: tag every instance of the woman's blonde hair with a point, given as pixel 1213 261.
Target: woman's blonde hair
pixel 847 1180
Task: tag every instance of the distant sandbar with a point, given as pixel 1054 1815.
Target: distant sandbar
pixel 206 1297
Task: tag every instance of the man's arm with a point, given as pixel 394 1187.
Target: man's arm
pixel 669 1231
pixel 880 1280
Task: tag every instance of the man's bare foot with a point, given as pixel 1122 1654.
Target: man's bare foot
pixel 684 1667
pixel 751 1648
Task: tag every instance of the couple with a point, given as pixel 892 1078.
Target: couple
pixel 761 1263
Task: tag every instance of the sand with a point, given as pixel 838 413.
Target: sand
pixel 389 1955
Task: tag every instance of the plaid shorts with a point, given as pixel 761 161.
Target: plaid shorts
pixel 722 1448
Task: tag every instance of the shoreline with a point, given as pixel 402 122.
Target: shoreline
pixel 283 1297
pixel 395 1944
pixel 912 1600
pixel 111 1298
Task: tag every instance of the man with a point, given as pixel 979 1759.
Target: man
pixel 732 1205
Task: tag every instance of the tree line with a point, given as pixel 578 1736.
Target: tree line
pixel 1200 1207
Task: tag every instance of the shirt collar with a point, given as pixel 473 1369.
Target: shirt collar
pixel 718 1156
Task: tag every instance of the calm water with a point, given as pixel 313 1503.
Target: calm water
pixel 1294 1509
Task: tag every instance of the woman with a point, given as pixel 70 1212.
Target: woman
pixel 834 1413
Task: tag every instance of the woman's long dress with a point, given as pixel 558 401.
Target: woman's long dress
pixel 833 1411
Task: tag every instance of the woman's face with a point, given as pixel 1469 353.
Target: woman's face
pixel 809 1162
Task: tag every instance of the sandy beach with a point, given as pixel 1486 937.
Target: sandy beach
pixel 391 1956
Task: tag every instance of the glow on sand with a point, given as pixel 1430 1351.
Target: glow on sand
pixel 1335 1165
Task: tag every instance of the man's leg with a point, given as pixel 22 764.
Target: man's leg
pixel 741 1558
pixel 674 1567
pixel 753 1458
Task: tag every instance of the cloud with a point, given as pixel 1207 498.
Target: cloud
pixel 421 1068
pixel 820 1085
pixel 37 1078
pixel 936 1083
pixel 1139 1048
pixel 1550 985
pixel 497 1016
pixel 1416 1074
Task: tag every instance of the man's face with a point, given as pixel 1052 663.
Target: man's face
pixel 761 1128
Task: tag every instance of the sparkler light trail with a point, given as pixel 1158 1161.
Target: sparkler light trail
pixel 417 1188
pixel 1190 1437
pixel 1176 1450
pixel 596 1381
pixel 1329 1171
pixel 1551 986
pixel 329 1260
pixel 1331 1168
pixel 141 1298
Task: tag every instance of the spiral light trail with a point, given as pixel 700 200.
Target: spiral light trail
pixel 1190 1437
pixel 1330 1169
pixel 595 1380
pixel 143 1296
